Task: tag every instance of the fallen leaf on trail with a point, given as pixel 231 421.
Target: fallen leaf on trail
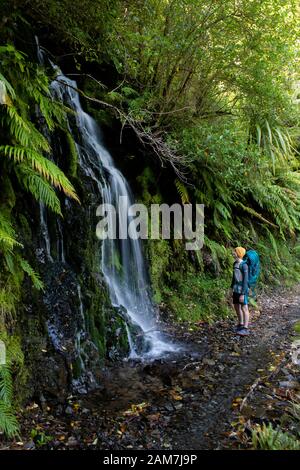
pixel 135 410
pixel 32 407
pixel 154 417
pixel 236 402
pixel 175 395
pixel 123 428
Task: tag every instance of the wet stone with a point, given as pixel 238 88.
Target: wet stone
pixel 289 384
pixel 209 362
pixel 72 442
pixel 169 407
pixel 69 410
pixel 29 445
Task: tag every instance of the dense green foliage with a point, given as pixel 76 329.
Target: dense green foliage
pixel 209 87
pixel 268 438
pixel 213 81
pixel 25 102
pixel 24 88
pixel 14 367
pixel 218 80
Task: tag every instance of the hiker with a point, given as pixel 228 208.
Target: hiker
pixel 240 290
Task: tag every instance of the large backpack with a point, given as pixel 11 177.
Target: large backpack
pixel 252 259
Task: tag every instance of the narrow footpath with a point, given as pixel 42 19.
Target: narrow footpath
pixel 209 397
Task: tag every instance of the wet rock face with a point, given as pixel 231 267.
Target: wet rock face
pixel 70 328
pixel 63 319
pixel 53 378
pixel 66 326
pixel 59 348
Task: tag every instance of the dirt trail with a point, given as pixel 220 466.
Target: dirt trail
pixel 245 360
pixel 187 402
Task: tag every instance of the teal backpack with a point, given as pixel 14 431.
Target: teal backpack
pixel 252 259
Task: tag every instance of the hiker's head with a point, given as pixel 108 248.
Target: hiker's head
pixel 239 252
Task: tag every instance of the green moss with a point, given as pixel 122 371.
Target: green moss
pixel 97 332
pixel 76 368
pixel 159 254
pixel 118 334
pixel 102 116
pixel 197 297
pixel 148 187
pixel 25 229
pixel 8 197
pixel 297 327
pixel 72 156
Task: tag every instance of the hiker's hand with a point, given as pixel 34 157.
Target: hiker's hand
pixel 242 298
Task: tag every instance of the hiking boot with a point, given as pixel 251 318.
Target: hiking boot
pixel 243 332
pixel 238 327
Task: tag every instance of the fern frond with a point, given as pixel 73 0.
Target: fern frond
pixel 8 421
pixel 24 131
pixel 273 243
pixel 217 251
pixel 7 302
pixel 35 278
pixel 42 165
pixel 8 86
pixel 6 384
pixel 7 233
pixel 275 142
pixel 277 202
pixel 182 191
pixel 254 213
pixel 38 187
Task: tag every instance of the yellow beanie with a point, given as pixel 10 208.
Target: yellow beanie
pixel 240 251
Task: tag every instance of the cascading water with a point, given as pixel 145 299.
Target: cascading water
pixel 60 242
pixel 66 324
pixel 45 232
pixel 122 262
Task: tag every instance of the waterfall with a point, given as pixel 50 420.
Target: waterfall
pixel 122 261
pixel 60 242
pixel 45 231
